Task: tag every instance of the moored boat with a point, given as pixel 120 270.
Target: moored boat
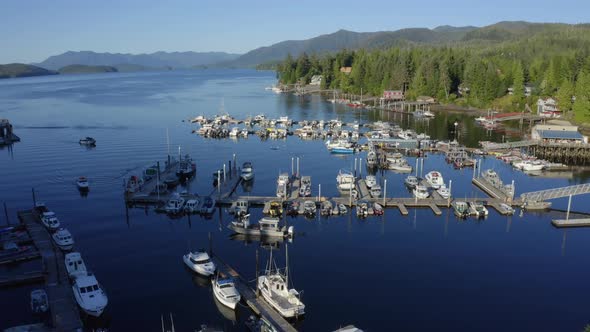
pixel 63 239
pixel 411 182
pixel 200 262
pixel 50 221
pixel 434 179
pixel 225 292
pixel 82 183
pixel 39 302
pixel 208 205
pixel 247 172
pixel 87 141
pixel 477 209
pixel 421 191
pixel 175 204
pixel 461 209
pixel 266 226
pixel 90 295
pixel 75 265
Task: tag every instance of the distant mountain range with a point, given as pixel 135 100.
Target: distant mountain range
pixel 153 60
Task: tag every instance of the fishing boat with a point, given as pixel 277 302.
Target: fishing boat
pixel 175 204
pixel 371 159
pixel 370 181
pixel 421 191
pixel 411 181
pixel 75 265
pixel 200 262
pixel 192 206
pixel 477 209
pixel 265 227
pixel 377 209
pixel 283 185
pixel 362 209
pixel 171 181
pixel 208 205
pixel 50 221
pixel 309 209
pixel 274 287
pixel 397 162
pixel 342 209
pixel 134 184
pixel 326 208
pixel 247 172
pixel 225 292
pixel 461 209
pixel 90 295
pixel 375 191
pixel 39 302
pixel 82 183
pixel 186 167
pixel 434 179
pixel 345 180
pixel 87 141
pixel 507 208
pixel 63 239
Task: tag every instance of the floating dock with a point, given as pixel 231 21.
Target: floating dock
pixel 64 310
pixel 489 189
pixel 560 223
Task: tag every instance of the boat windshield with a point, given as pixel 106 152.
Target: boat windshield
pixel 202 261
pixel 88 289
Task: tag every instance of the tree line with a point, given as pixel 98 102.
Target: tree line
pixel 555 64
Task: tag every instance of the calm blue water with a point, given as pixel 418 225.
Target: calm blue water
pixel 414 273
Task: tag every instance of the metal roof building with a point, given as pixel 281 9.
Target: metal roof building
pixel 560 135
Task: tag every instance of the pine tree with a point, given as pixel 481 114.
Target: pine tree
pixel 582 104
pixel 518 82
pixel 564 96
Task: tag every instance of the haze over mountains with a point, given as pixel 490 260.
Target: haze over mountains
pixel 342 39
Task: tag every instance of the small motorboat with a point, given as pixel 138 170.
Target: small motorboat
pixel 362 209
pixel 370 181
pixel 200 262
pixel 435 179
pixel 82 183
pixel 50 221
pixel 63 239
pixel 478 210
pixel 292 208
pixel 377 209
pixel 326 208
pixel 411 182
pixel 335 210
pixel 75 265
pixel 88 141
pixel 507 208
pixel 444 192
pixel 175 204
pixel 134 184
pixel 309 209
pixel 342 209
pixel 39 302
pixel 247 173
pixel 208 205
pixel 225 292
pixel 192 206
pixel 90 295
pixel 421 191
pixel 461 209
pixel 375 191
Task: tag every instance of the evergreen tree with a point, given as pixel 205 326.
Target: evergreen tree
pixel 564 96
pixel 518 81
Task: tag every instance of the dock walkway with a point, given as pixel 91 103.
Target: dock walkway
pixel 145 195
pixel 64 310
pixel 489 189
pixel 583 222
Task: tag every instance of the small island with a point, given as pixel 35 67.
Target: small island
pixel 22 70
pixel 84 69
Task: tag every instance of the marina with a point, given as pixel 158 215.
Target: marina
pixel 136 225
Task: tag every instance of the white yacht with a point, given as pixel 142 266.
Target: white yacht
pixel 435 179
pixel 529 166
pixel 175 204
pixel 283 185
pixel 375 191
pixel 370 181
pixel 82 183
pixel 247 173
pixel 411 181
pixel 75 265
pixel 200 262
pixel 444 192
pixel 90 295
pixel 63 239
pixel 50 221
pixel 345 181
pixel 274 287
pixel 239 207
pixel 421 191
pixel 225 292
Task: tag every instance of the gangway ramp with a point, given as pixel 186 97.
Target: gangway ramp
pixel 543 195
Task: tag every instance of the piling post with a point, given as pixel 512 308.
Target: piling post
pixel 297 166
pixel 235 164
pixel 360 167
pixel 474 169
pixel 479 169
pixel 257 269
pixel 513 192
pixel 567 215
pixel 6 213
pixel 34 199
pixel 219 181
pixel 450 193
pixel 355 167
pixel 384 191
pixel 292 168
pixel 224 172
pixel 319 192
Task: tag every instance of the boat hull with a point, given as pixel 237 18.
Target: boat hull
pixel 197 268
pixel 256 232
pixel 231 303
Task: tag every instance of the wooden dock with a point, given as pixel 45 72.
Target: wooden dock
pixel 560 223
pixel 257 304
pixel 63 307
pixel 489 189
pixel 146 195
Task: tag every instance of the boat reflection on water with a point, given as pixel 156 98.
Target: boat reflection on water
pixel 265 241
pixel 198 279
pixel 226 312
pixel 247 185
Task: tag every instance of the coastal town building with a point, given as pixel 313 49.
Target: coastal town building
pixel 547 107
pixel 556 131
pixel 393 95
pixel 316 80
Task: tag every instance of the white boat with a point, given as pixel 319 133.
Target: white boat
pixel 326 208
pixel 39 302
pixel 283 185
pixel 461 209
pixel 375 191
pixel 175 204
pixel 234 132
pixel 266 226
pixel 507 208
pixel 200 262
pixel 421 191
pixel 444 192
pixel 342 209
pixel 362 209
pixel 435 179
pixel 371 158
pixel 75 265
pixel 208 205
pixel 90 295
pixel 411 181
pixel 192 206
pixel 247 172
pixel 529 166
pixel 309 208
pixel 370 181
pixel 239 207
pixel 50 221
pixel 345 180
pixel 274 287
pixel 82 183
pixel 480 119
pixel 478 209
pixel 63 239
pixel 377 209
pixel 87 141
pixel 225 292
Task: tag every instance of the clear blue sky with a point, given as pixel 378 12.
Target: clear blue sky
pixel 32 30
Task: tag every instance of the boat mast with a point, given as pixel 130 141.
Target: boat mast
pixel 287 265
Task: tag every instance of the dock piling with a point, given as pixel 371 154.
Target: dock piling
pixel 569 204
pixel 450 193
pixel 384 191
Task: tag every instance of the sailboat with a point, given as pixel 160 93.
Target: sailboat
pixel 274 287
